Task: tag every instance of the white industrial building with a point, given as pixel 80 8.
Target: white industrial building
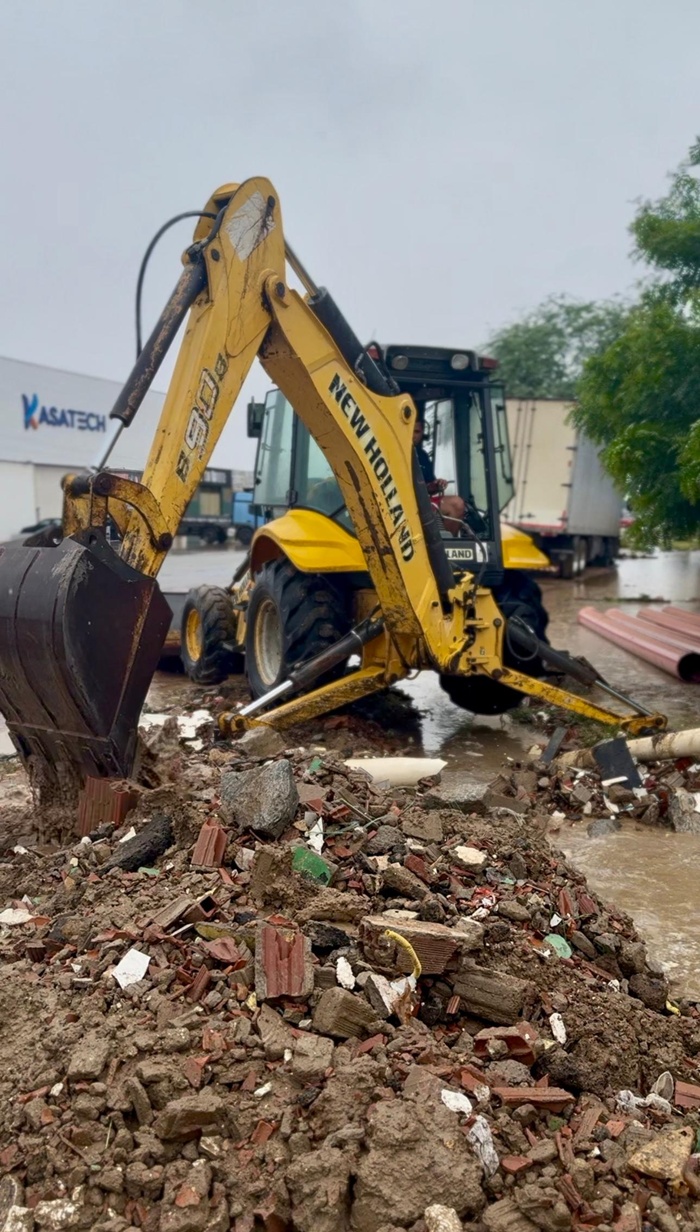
pixel 54 423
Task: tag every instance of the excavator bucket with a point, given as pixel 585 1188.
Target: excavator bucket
pixel 80 637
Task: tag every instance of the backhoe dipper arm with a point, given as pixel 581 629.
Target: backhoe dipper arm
pixel 248 310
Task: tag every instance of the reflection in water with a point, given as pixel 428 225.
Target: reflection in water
pixel 651 874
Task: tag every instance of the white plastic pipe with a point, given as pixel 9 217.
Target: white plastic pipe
pixel 398 771
pixel 665 745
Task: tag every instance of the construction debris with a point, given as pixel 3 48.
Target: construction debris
pixel 413 1015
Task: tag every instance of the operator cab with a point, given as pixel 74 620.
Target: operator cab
pixel 465 434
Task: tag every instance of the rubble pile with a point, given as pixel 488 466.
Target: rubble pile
pixel 665 794
pixel 278 995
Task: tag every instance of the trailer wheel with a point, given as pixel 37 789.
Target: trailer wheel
pixel 291 617
pixel 244 535
pixel 207 632
pixel 518 596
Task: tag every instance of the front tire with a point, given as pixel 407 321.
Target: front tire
pixel 518 597
pixel 207 631
pixel 291 617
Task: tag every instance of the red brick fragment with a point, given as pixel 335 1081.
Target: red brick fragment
pixel 471 1078
pixel 566 904
pixel 199 985
pixel 103 802
pixel 225 950
pixel 615 1127
pixel 368 1044
pixel 282 963
pixel 415 864
pixel 193 1069
pixel 262 1133
pixel 554 1099
pixel 452 1005
pixel 250 1081
pixel 210 846
pixel 520 1040
pixel 687 1095
pixel 513 1164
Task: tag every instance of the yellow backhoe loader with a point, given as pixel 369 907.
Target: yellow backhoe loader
pixel 357 566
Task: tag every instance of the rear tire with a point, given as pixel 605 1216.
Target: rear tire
pixel 518 596
pixel 244 535
pixel 207 631
pixel 291 617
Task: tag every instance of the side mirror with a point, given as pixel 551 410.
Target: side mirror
pixel 256 411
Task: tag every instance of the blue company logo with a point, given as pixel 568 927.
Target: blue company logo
pixel 84 421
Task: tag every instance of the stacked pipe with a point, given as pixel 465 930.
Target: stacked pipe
pixel 670 639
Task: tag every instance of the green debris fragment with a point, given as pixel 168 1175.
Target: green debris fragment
pixel 316 764
pixel 150 872
pixel 555 1123
pixel 559 944
pixel 310 865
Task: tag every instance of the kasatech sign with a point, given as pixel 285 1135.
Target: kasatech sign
pixel 83 421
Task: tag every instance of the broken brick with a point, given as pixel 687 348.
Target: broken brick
pixel 553 1099
pixel 262 1133
pixel 210 846
pixel 103 802
pixel 519 1039
pixel 687 1095
pixel 514 1164
pixel 225 950
pixel 437 947
pixel 282 963
pixel 199 985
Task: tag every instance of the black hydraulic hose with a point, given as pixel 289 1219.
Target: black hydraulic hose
pixel 191 283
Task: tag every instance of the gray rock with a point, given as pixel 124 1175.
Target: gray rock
pixel 184 1118
pixel 682 814
pixel 603 826
pixel 584 945
pixel 312 1055
pixel 426 827
pixel 653 992
pixel 264 800
pixel 458 792
pixel 511 910
pixel 89 1059
pixel 261 742
pixel 386 839
pixel 632 957
pixel 607 943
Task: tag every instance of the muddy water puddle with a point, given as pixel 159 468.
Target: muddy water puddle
pixel 652 875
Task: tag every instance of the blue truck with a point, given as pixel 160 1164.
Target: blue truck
pixel 245 516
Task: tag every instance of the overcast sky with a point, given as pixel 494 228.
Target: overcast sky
pixel 442 165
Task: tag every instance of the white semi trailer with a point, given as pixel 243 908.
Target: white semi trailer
pixel 563 496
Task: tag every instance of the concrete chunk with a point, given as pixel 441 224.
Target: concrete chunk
pixel 184 1118
pixel 89 1059
pixel 343 1015
pixel 438 948
pixel 264 799
pixel 492 995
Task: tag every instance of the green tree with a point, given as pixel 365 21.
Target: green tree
pixel 640 397
pixel 542 355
